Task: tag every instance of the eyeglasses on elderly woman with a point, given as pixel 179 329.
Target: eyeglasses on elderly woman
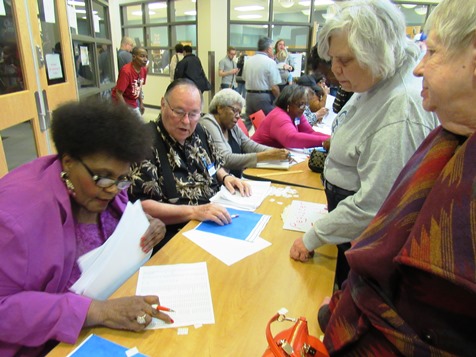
pixel 106 182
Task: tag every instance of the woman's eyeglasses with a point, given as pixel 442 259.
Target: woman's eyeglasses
pixel 179 113
pixel 301 106
pixel 236 111
pixel 106 182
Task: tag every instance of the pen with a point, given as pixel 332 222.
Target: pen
pixel 162 308
pixel 281 173
pixel 235 216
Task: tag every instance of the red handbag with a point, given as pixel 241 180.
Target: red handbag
pixel 294 341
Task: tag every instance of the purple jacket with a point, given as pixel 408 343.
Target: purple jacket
pixel 37 255
pixel 279 130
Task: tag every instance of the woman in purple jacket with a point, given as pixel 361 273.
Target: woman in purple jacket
pixel 286 126
pixel 56 208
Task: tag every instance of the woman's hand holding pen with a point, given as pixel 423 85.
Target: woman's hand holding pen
pixel 272 154
pixel 128 313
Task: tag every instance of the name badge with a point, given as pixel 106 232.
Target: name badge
pixel 297 121
pixel 211 169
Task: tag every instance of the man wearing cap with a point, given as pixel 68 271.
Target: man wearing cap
pixel 261 77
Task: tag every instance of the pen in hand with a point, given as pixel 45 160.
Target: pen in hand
pixel 162 308
pixel 234 216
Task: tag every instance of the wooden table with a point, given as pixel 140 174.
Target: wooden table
pixel 298 175
pixel 245 295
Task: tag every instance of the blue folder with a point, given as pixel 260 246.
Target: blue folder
pixel 239 228
pixel 100 347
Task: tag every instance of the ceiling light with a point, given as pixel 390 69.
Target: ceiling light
pixel 80 11
pixel 305 3
pixel 286 3
pixel 249 8
pixel 421 10
pixel 408 6
pixel 76 3
pixel 190 13
pixel 249 17
pixel 322 2
pixel 157 5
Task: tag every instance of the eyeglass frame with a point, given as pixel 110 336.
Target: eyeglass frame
pixel 181 114
pixel 235 110
pixel 96 178
pixel 300 106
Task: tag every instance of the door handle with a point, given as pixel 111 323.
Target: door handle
pixel 39 54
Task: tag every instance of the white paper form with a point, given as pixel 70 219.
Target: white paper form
pixel 227 250
pixel 184 288
pixel 300 215
pixel 107 267
pixel 259 190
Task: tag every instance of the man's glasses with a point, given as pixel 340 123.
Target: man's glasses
pixel 236 111
pixel 179 113
pixel 106 182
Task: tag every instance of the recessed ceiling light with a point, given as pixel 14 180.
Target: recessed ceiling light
pixel 158 5
pixel 305 3
pixel 190 13
pixel 421 10
pixel 249 8
pixel 250 16
pixel 286 3
pixel 76 3
pixel 408 6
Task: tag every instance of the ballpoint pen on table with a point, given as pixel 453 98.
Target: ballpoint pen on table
pixel 162 308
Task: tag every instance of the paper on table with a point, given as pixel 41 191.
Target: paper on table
pixel 259 190
pixel 107 267
pixel 184 288
pixel 274 164
pixel 229 251
pixel 300 215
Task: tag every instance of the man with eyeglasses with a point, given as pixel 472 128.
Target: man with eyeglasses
pixel 261 77
pixel 184 169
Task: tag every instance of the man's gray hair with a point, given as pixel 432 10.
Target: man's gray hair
pixel 454 24
pixel 225 97
pixel 264 43
pixel 376 35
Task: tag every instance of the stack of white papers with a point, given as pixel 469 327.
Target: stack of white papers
pixel 300 215
pixel 184 288
pixel 107 267
pixel 259 190
pixel 274 164
pixel 232 242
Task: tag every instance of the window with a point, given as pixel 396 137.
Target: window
pixel 158 26
pixel 92 47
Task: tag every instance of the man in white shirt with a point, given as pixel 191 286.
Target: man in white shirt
pixel 261 77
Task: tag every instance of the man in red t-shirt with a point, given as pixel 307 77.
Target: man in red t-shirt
pixel 132 77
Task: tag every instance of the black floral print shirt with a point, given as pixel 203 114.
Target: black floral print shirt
pixel 188 177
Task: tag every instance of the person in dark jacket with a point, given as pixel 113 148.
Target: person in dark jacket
pixel 190 67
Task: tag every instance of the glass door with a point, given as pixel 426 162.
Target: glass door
pixel 36 75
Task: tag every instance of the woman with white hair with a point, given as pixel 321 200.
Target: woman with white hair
pixel 412 284
pixel 377 130
pixel 238 150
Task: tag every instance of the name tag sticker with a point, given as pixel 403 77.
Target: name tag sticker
pixel 211 169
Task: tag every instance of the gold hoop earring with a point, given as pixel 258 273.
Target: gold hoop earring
pixel 69 185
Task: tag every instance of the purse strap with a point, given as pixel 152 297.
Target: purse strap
pixel 271 343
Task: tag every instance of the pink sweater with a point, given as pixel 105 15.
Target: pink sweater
pixel 279 130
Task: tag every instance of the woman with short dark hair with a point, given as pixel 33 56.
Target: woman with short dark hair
pixel 57 208
pixel 286 126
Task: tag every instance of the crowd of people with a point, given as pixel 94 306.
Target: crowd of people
pixel 399 180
